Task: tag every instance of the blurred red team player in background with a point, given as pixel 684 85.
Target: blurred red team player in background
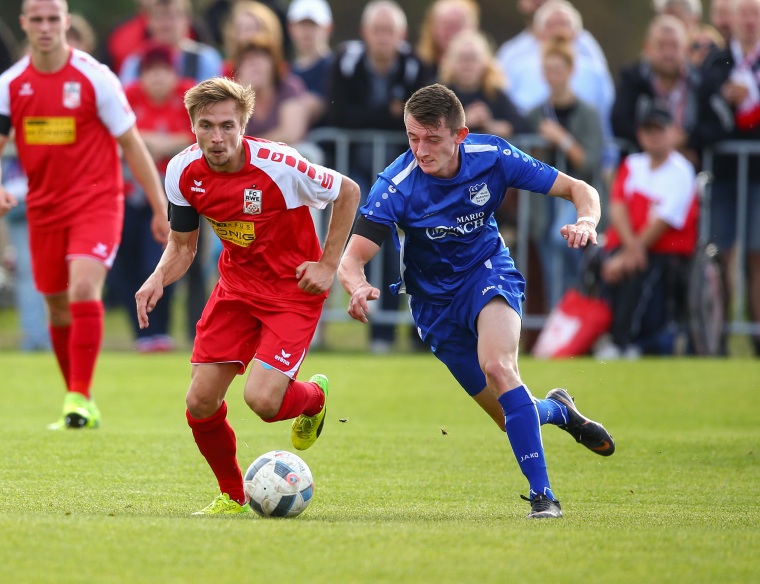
pixel 70 115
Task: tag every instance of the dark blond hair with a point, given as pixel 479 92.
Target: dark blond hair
pixel 217 90
pixel 429 104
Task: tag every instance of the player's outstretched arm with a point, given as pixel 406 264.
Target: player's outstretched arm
pixel 586 201
pixel 351 275
pixel 141 164
pixel 317 277
pixel 174 262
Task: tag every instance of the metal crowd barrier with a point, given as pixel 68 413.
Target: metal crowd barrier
pixel 739 322
pixel 341 140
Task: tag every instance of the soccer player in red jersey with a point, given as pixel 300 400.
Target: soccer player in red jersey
pixel 274 277
pixel 70 117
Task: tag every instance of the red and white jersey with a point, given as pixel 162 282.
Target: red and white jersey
pixel 65 125
pixel 667 192
pixel 261 214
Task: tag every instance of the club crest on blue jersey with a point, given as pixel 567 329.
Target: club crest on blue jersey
pixel 252 202
pixel 479 194
pixel 72 94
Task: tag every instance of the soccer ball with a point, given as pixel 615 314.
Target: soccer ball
pixel 279 484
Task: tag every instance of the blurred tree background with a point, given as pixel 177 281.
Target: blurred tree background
pixel 618 25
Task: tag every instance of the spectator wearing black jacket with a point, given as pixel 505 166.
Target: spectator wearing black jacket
pixel 664 74
pixel 373 77
pixel 370 81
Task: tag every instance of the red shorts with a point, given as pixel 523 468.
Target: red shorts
pixel 234 329
pixel 94 237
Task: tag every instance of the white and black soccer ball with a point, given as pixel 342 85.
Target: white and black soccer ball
pixel 279 484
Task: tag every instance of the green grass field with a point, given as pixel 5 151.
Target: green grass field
pixel 397 499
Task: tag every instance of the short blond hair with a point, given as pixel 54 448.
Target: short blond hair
pixel 217 90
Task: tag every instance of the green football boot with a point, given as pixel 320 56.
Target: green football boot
pixel 78 412
pixel 223 505
pixel 306 429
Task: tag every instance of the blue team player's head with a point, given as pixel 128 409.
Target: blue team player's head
pixel 434 119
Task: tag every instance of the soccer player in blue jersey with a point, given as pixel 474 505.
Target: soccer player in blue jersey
pixel 438 201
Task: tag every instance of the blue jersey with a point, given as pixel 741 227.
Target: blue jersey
pixel 445 228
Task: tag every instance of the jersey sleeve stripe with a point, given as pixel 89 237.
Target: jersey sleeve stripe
pixel 404 173
pixel 479 147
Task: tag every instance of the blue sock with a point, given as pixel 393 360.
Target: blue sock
pixel 551 412
pixel 524 432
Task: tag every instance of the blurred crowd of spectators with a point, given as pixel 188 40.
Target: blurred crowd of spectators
pixel 701 72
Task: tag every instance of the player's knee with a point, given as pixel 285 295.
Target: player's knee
pixel 202 406
pixel 501 373
pixel 83 291
pixel 263 405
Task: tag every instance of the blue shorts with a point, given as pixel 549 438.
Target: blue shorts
pixel 451 330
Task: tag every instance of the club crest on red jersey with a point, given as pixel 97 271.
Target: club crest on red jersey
pixel 252 202
pixel 72 94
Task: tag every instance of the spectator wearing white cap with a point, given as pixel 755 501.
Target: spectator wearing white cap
pixel 310 25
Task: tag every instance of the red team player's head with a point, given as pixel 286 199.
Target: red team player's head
pixel 45 23
pixel 219 110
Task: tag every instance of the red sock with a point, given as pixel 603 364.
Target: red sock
pixel 86 336
pixel 301 397
pixel 216 441
pixel 60 337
